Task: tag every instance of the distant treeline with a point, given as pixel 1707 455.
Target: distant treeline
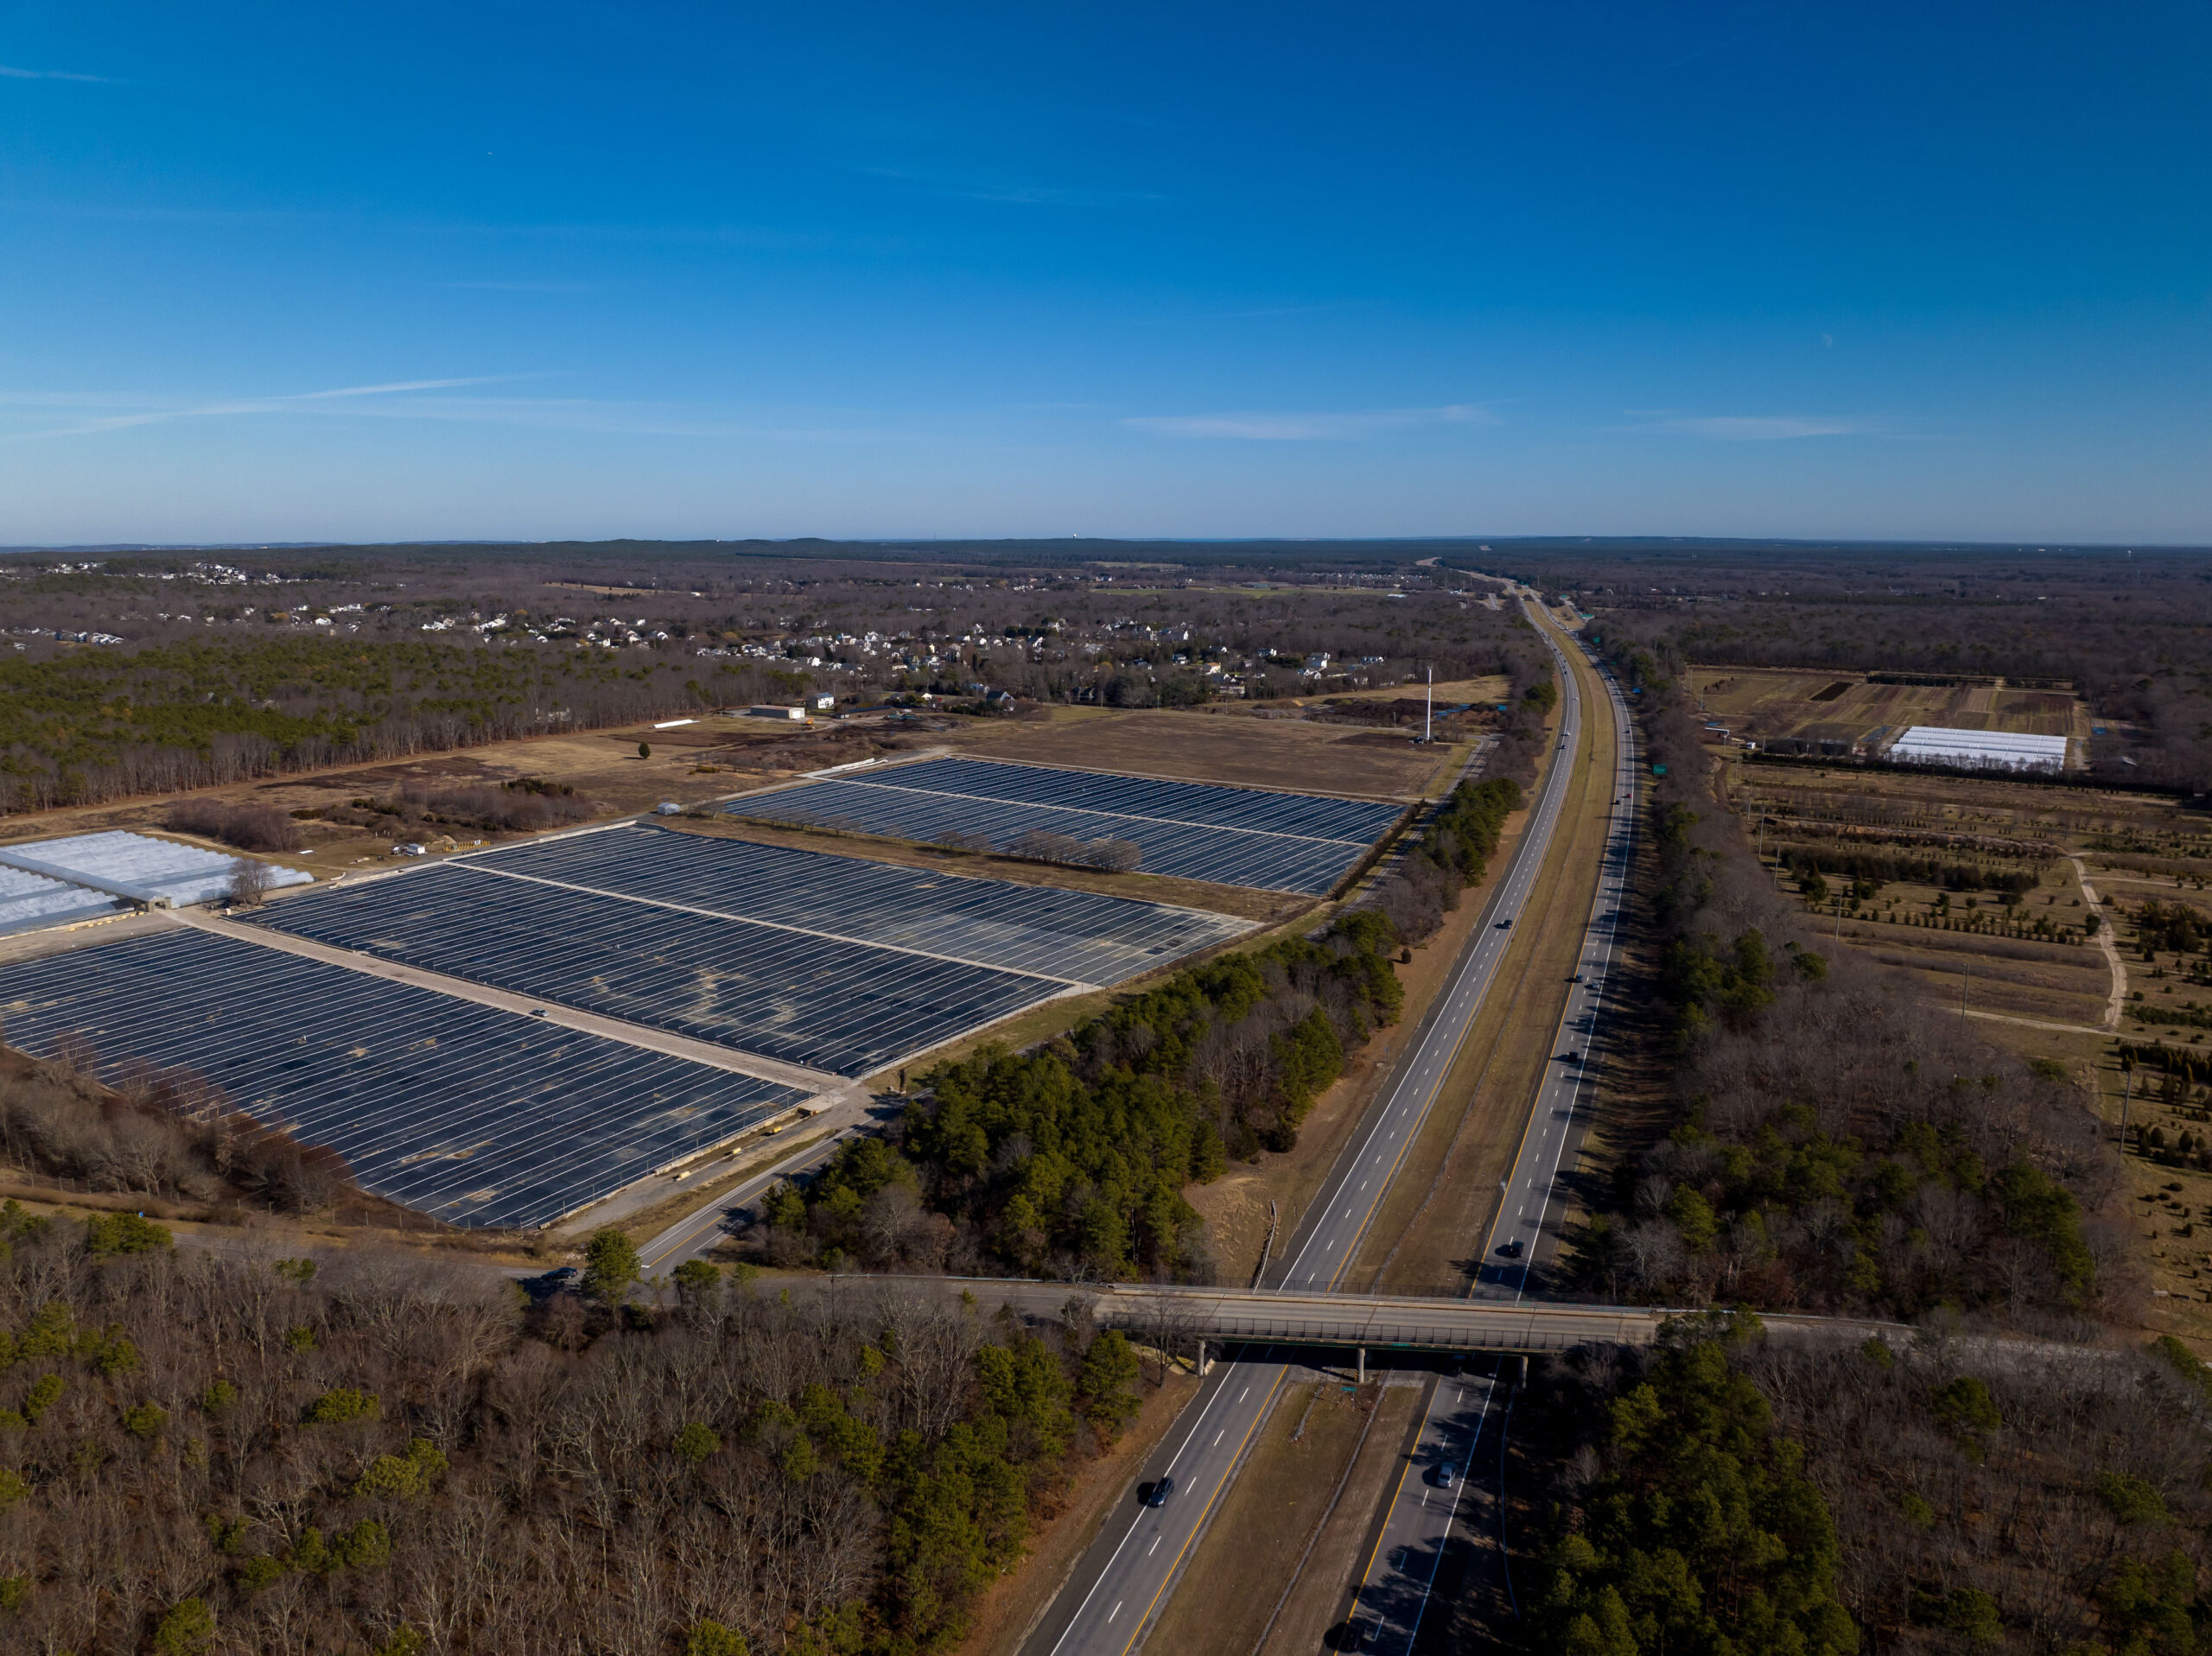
pixel 93 726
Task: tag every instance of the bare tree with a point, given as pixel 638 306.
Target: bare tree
pixel 250 880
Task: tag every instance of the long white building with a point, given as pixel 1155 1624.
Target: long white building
pixel 1978 750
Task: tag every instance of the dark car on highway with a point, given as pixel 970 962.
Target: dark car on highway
pixel 1157 1495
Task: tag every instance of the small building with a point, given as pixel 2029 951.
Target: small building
pixel 820 701
pixel 773 711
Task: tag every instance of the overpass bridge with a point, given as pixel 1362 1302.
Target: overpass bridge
pixel 1374 1322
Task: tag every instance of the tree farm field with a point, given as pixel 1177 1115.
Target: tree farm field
pixel 1976 885
pixel 1768 704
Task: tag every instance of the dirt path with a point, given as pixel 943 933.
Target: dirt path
pixel 2038 1023
pixel 2104 942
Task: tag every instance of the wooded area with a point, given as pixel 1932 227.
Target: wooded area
pixel 224 1450
pixel 1830 1143
pixel 1834 1145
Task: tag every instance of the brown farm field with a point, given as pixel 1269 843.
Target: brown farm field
pixel 1764 704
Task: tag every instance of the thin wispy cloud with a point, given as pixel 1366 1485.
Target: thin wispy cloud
pixel 1757 428
pixel 414 399
pixel 1343 426
pixel 7 72
pixel 142 416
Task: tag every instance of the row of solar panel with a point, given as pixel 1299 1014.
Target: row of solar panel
pixel 473 1115
pixel 1080 937
pixel 922 802
pixel 1201 804
pixel 850 1008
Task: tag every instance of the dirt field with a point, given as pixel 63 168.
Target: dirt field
pixel 1216 743
pixel 1441 1204
pixel 1763 704
pixel 603 767
pixel 1011 1605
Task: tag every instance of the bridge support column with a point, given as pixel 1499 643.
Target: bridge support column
pixel 1362 1365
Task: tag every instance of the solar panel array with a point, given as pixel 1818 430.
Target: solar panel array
pixel 1080 937
pixel 471 1114
pixel 1235 836
pixel 850 1008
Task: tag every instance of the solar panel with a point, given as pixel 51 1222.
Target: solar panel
pixel 1077 937
pixel 847 1007
pixel 1235 836
pixel 471 1114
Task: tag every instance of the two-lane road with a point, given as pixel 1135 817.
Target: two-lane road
pixel 1120 1584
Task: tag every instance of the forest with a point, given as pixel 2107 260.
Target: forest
pixel 1728 1492
pixel 231 1450
pixel 1834 1145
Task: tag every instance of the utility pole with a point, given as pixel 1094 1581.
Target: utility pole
pixel 2126 1090
pixel 1428 713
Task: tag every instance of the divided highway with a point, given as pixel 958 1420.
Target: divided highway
pixel 1120 1584
pixel 1394 1592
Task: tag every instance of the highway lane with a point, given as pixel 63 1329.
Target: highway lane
pixel 1392 1598
pixel 1120 1585
pixel 1530 1218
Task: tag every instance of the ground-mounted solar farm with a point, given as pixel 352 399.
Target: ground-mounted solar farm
pixel 836 963
pixel 1296 843
pixel 389 1017
pixel 470 1115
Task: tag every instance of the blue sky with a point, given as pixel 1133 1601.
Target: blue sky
pixel 490 270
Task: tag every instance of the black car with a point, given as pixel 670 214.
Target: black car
pixel 1511 1250
pixel 1504 924
pixel 1157 1495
